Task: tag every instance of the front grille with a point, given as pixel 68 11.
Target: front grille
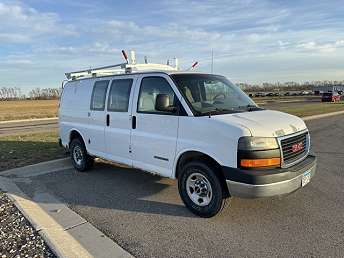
pixel 294 148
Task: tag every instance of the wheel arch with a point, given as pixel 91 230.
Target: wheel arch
pixel 75 133
pixel 194 155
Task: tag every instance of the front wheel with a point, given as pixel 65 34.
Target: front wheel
pixel 200 189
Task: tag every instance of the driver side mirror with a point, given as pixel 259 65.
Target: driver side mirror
pixel 162 103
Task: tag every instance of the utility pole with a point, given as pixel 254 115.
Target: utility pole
pixel 212 61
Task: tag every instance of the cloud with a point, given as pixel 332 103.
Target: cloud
pixel 22 24
pixel 252 39
pixel 321 47
pixel 167 31
pixel 14 38
pixel 97 48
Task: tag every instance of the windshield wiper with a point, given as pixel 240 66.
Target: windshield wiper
pixel 218 111
pixel 250 107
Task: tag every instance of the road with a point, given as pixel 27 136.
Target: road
pixel 27 126
pixel 144 214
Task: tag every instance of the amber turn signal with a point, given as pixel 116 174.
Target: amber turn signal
pixel 255 163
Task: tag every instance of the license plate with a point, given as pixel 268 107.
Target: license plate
pixel 306 177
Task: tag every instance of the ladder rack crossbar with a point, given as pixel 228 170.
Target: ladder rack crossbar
pixel 90 71
pixel 123 68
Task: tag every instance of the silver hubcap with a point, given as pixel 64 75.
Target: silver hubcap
pixel 77 155
pixel 199 189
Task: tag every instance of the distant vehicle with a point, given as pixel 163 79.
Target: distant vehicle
pixel 198 128
pixel 295 94
pixel 340 92
pixel 305 93
pixel 270 94
pixel 287 94
pixel 260 94
pixel 330 97
pixel 276 94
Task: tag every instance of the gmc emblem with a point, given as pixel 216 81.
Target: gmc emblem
pixel 297 147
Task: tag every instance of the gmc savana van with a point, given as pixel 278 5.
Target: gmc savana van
pixel 197 128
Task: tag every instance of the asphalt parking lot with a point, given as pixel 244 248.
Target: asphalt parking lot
pixel 144 214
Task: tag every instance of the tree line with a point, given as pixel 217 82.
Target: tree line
pixel 15 93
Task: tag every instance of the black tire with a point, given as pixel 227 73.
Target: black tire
pixel 86 161
pixel 216 201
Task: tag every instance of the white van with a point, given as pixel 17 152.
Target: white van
pixel 197 128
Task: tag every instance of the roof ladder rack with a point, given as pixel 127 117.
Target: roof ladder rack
pixel 92 72
pixel 122 68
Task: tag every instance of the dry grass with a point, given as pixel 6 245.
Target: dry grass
pixel 27 109
pixel 310 109
pixel 29 148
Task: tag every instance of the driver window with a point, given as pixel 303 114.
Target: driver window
pixel 149 90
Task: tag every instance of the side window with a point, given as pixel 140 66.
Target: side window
pixel 118 100
pixel 149 90
pixel 99 95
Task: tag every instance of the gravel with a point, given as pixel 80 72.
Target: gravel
pixel 17 237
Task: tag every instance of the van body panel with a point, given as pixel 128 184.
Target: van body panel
pixel 223 144
pixel 73 111
pixel 265 123
pixel 154 140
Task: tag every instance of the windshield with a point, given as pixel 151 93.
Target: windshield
pixel 212 94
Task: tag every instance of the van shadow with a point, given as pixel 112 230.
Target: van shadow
pixel 113 187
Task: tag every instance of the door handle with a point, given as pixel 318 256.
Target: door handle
pixel 107 120
pixel 133 122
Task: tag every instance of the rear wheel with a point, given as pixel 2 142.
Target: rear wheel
pixel 80 158
pixel 200 189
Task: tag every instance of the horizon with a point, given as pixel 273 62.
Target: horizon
pixel 253 42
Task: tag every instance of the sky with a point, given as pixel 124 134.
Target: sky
pixel 253 41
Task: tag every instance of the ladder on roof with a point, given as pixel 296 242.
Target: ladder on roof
pixel 122 68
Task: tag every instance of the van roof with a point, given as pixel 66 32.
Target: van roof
pixel 125 69
pixel 142 72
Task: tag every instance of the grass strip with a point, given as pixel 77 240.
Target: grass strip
pixel 30 148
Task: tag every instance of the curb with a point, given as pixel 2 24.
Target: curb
pixel 28 120
pixel 66 233
pixel 42 222
pixel 308 118
pixel 39 168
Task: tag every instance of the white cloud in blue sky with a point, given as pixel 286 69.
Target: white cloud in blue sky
pixel 253 41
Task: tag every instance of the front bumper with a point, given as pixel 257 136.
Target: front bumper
pixel 268 182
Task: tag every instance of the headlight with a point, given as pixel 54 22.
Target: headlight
pixel 257 143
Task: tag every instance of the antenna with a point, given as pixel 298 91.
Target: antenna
pixel 193 66
pixel 212 60
pixel 125 56
pixel 176 63
pixel 133 57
